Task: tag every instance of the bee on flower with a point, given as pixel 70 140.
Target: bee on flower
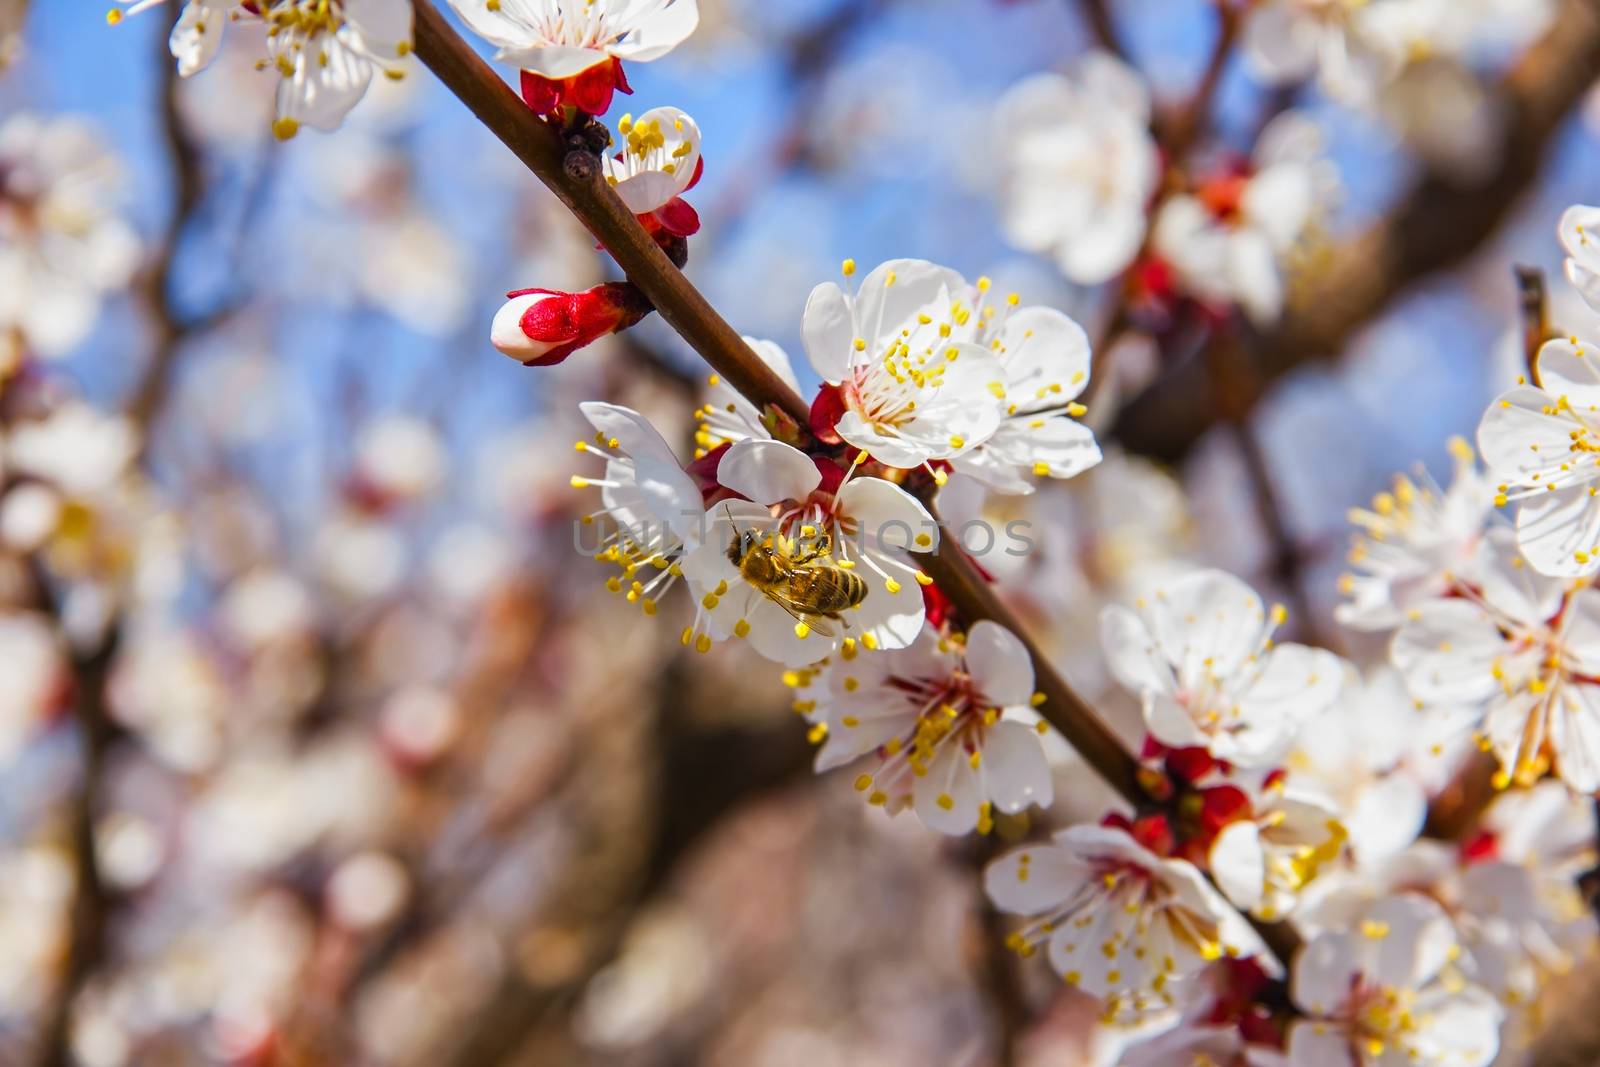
pixel 1199 653
pixel 801 556
pixel 326 51
pixel 571 51
pixel 1117 921
pixel 944 727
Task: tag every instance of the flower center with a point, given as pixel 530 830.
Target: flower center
pixel 580 24
pixel 307 17
pixel 1380 1016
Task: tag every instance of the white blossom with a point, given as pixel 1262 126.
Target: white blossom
pixel 1525 650
pixel 560 39
pixel 1384 994
pixel 1264 862
pixel 76 449
pixel 33 679
pixel 63 245
pixel 325 51
pixel 943 726
pixel 1580 236
pixel 1377 757
pixel 1231 240
pixel 1199 653
pixel 1117 921
pixel 659 160
pixel 862 525
pixel 727 416
pixel 652 505
pixel 908 391
pixel 400 458
pixel 1541 443
pixel 1044 363
pixel 1416 542
pixel 1079 167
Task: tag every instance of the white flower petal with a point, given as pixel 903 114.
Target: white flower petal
pixel 1015 768
pixel 768 472
pixel 1239 865
pixel 888 517
pixel 828 331
pixel 999 664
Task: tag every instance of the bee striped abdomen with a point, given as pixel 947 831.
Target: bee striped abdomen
pixel 825 590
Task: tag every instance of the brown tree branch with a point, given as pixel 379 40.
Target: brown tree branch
pixel 1189 124
pixel 91 904
pixel 1437 226
pixel 150 394
pixel 1096 15
pixel 574 177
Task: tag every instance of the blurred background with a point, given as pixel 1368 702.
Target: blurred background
pixel 319 744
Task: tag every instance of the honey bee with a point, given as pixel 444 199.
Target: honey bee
pixel 808 584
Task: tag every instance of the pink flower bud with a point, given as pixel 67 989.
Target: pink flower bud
pixel 542 327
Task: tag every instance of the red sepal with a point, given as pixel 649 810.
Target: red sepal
pixel 590 91
pixel 937 607
pixel 677 217
pixel 1483 848
pixel 1154 832
pixel 827 408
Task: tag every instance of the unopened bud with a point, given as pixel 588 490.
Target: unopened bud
pixel 542 327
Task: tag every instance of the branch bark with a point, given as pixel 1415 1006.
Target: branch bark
pixel 576 180
pixel 1437 226
pixel 150 394
pixel 91 903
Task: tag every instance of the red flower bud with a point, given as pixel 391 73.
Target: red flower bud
pixel 1190 764
pixel 1483 848
pixel 937 606
pixel 1154 832
pixel 1223 805
pixel 542 327
pixel 589 91
pixel 826 410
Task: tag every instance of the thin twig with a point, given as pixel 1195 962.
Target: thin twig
pixel 1533 309
pixel 997 978
pixel 574 177
pixel 1190 124
pixel 150 394
pixel 1286 565
pixel 91 902
pixel 1097 16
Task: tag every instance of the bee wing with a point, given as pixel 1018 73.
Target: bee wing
pixel 799 613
